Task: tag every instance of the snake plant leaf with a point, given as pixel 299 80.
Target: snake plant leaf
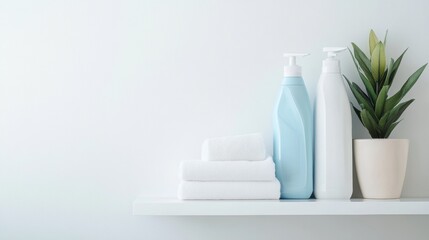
pixel 379 105
pixel 354 61
pixel 361 55
pixel 364 63
pixel 396 98
pixel 369 89
pixel 395 68
pixel 360 96
pixel 378 61
pixel 357 111
pixel 382 81
pixel 361 93
pixel 374 123
pixel 389 72
pixel 366 122
pixel 383 120
pixel 385 38
pixel 390 129
pixel 412 80
pixel 397 111
pixel 369 123
pixel 373 40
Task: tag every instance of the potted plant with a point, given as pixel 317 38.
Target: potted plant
pixel 380 161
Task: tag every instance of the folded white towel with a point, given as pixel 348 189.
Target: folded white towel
pixel 229 190
pixel 228 170
pixel 242 147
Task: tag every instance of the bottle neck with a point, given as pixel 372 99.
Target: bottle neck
pixel 296 80
pixel 331 65
pixel 292 71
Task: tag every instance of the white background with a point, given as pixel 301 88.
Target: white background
pixel 101 100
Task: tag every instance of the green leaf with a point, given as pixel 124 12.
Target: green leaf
pixel 360 96
pixel 412 80
pixel 361 55
pixel 369 123
pixel 390 129
pixel 366 122
pixel 354 60
pixel 378 61
pixel 389 72
pixel 396 98
pixel 373 40
pixel 364 63
pixel 381 81
pixel 383 120
pixel 396 112
pixel 395 68
pixel 357 111
pixel 369 89
pixel 379 105
pixel 385 38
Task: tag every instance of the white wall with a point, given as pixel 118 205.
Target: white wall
pixel 101 100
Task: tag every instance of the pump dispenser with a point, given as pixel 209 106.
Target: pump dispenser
pixel 293 134
pixel 293 70
pixel 333 139
pixel 331 64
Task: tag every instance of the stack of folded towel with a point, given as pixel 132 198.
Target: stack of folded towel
pixel 231 168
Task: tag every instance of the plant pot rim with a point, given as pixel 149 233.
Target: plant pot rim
pixel 381 140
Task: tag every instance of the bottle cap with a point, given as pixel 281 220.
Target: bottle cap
pixel 331 64
pixel 293 70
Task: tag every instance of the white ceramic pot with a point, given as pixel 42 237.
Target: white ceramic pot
pixel 381 166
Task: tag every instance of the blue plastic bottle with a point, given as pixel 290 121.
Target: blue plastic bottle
pixel 293 134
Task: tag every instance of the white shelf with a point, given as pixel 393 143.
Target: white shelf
pixel 174 207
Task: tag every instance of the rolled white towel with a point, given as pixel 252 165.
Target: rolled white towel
pixel 241 147
pixel 229 190
pixel 228 170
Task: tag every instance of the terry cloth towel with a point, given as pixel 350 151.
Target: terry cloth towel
pixel 241 147
pixel 228 170
pixel 229 190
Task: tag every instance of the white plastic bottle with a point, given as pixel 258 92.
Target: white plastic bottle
pixel 333 133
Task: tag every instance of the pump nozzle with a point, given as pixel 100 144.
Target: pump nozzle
pixel 293 70
pixel 332 65
pixel 332 51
